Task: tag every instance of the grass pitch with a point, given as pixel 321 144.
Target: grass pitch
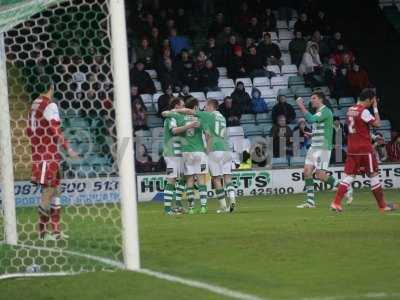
pixel 268 248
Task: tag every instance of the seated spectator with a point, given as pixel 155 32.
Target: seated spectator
pixel 304 25
pixel 178 42
pixel 241 97
pixel 168 74
pixel 258 104
pixel 243 16
pixel 223 38
pixel 323 46
pixel 283 108
pixel 185 93
pixel 254 64
pixel 139 115
pixel 341 84
pixel 165 99
pixel 248 43
pixel 379 146
pixel 322 24
pixel 213 52
pixel 254 30
pixel 183 59
pixel 342 56
pixel 268 20
pixel 135 95
pixel 311 65
pixel 141 79
pixel 190 76
pixel 339 141
pixel 231 111
pixel 228 50
pixel 335 41
pixel 358 79
pixel 218 25
pixel 303 134
pixel 393 148
pixel 297 47
pixel 143 161
pixel 209 77
pixel 236 66
pixel 282 137
pixel 145 53
pixel 156 40
pixel 147 24
pixel 269 51
pixel 182 21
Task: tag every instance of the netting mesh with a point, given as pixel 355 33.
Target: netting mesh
pixel 69 45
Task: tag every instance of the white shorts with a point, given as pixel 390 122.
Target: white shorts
pixel 174 166
pixel 195 163
pixel 319 158
pixel 220 163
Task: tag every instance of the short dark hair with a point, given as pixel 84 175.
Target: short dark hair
pixel 192 103
pixel 213 102
pixel 174 102
pixel 367 94
pixel 320 95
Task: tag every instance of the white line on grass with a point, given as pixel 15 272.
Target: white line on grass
pixel 365 296
pixel 201 285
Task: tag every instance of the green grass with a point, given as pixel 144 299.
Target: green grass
pixel 268 248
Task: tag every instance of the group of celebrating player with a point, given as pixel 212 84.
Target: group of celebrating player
pixel 195 144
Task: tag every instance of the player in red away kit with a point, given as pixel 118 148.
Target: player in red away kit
pixel 45 135
pixel 360 153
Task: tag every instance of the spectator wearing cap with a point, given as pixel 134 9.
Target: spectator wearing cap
pixel 297 47
pixel 231 111
pixel 236 66
pixel 269 51
pixel 145 53
pixel 254 64
pixel 304 25
pixel 141 79
pixel 209 77
pixel 283 108
pixel 178 42
pixel 240 96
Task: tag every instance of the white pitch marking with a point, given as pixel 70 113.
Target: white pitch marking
pixel 365 296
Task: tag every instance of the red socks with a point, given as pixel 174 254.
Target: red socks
pixel 43 220
pixel 378 193
pixel 55 216
pixel 342 190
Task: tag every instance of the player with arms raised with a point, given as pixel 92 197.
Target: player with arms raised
pixel 360 153
pixel 44 132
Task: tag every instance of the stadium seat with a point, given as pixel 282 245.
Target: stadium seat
pixel 297 161
pixel 154 121
pixel 225 83
pixel 274 36
pixel 247 119
pixel 274 68
pixel 216 95
pixel 347 101
pixel 284 45
pixel 266 127
pixel 386 135
pixel 285 91
pixel 155 98
pixel 152 73
pixel 287 60
pixel 246 81
pixel 291 24
pixel 157 132
pixel 235 131
pixel 268 93
pixel 281 81
pixel 263 118
pixel 301 91
pixel 199 96
pixel 280 162
pixel 285 35
pixel 296 80
pixel 261 81
pixel 251 129
pixel 341 113
pixel 289 69
pixel 282 24
pixel 223 72
pixel 227 91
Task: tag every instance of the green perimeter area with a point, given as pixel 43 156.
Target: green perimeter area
pixel 268 248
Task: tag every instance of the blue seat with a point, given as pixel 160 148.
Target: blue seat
pixel 154 121
pixel 263 118
pixel 347 101
pixel 247 119
pixel 297 161
pixel 251 130
pixel 280 162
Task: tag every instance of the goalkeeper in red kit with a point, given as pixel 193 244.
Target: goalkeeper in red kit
pixel 44 132
pixel 361 158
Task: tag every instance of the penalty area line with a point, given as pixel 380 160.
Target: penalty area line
pixel 201 285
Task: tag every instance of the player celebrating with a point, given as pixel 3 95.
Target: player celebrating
pixel 174 128
pixel 360 153
pixel 219 158
pixel 45 136
pixel 319 154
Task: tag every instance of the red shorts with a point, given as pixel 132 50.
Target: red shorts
pixel 46 173
pixel 359 164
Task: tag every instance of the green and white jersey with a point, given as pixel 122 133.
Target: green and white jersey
pixel 173 143
pixel 193 138
pixel 322 128
pixel 214 125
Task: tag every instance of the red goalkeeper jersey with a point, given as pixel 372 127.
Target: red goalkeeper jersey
pixel 44 130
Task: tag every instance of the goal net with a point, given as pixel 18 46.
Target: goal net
pixel 67 44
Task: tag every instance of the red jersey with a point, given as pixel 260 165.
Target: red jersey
pixel 359 139
pixel 44 130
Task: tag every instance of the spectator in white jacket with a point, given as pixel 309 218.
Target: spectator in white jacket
pixel 311 61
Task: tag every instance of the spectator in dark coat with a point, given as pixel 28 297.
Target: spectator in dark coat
pixel 169 75
pixel 241 97
pixel 209 77
pixel 145 53
pixel 165 99
pixel 322 24
pixel 282 138
pixel 236 67
pixel 190 76
pixel 218 25
pixel 297 47
pixel 283 108
pixel 268 20
pixel 135 96
pixel 231 111
pixel 341 86
pixel 228 51
pixel 143 161
pixel 142 79
pixel 254 30
pixel 304 25
pixel 243 17
pixel 358 79
pixel 213 52
pixel 324 50
pixel 269 51
pixel 254 63
pixel 182 21
pixel 258 104
pixel 335 41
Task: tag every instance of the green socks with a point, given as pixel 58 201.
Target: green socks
pixel 168 195
pixel 203 195
pixel 221 198
pixel 179 189
pixel 190 197
pixel 310 190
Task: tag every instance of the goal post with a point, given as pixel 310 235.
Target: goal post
pixel 80 46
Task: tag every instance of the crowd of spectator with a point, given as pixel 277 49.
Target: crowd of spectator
pixel 242 42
